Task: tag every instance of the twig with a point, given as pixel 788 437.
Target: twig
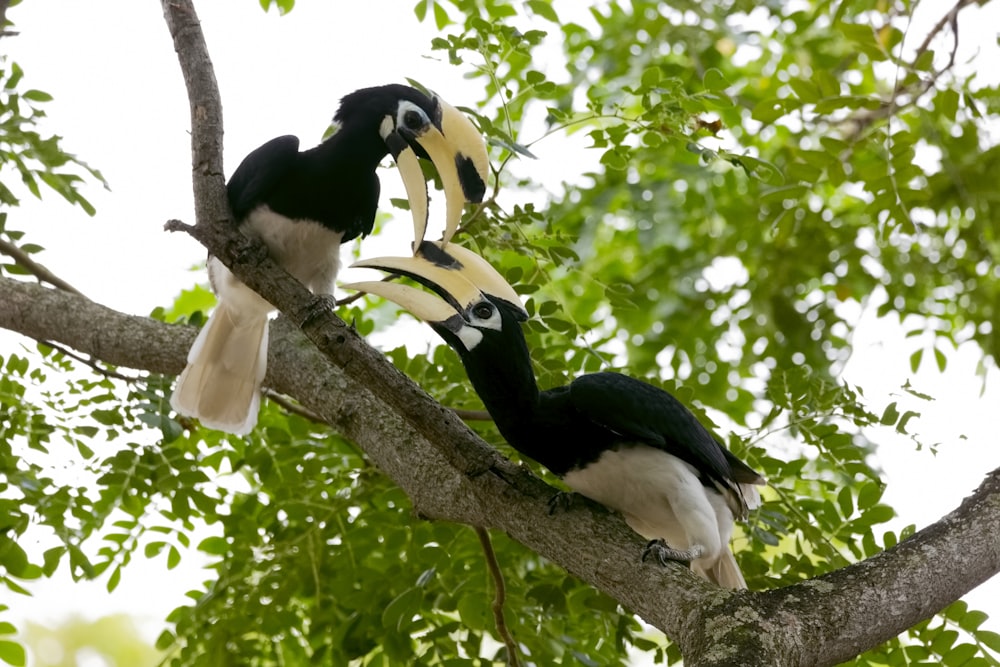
pixel 89 362
pixel 951 17
pixel 4 4
pixel 289 406
pixel 500 597
pixel 357 295
pixel 472 415
pixel 23 260
pixel 888 107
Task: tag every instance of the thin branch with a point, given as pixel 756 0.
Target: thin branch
pixel 500 596
pixel 291 406
pixel 4 4
pixel 949 18
pixel 358 295
pixel 23 260
pixel 888 107
pixel 107 372
pixel 472 415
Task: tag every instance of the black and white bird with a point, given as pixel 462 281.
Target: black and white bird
pixel 622 442
pixel 303 205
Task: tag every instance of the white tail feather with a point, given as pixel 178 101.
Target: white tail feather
pixel 226 367
pixel 724 572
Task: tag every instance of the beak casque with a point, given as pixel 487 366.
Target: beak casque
pixel 459 276
pixel 459 153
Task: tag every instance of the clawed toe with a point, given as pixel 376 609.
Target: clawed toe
pixel 560 502
pixel 320 305
pixel 664 554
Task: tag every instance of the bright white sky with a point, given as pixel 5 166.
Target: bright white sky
pixel 120 104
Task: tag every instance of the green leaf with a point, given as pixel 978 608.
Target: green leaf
pixel 651 77
pixel 544 9
pixel 890 415
pixel 114 579
pixel 420 9
pixel 946 102
pixel 173 557
pixel 715 80
pixel 12 653
pixel 217 546
pixel 941 359
pixel 402 608
pixel 36 96
pixel 989 639
pixel 12 557
pixel 907 416
pixel 846 502
pixel 869 494
pixel 473 609
pixel 804 90
pixel 165 640
pixel 441 18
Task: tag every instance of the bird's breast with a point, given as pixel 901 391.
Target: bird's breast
pixel 306 249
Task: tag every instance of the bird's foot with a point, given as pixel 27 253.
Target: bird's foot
pixel 663 554
pixel 320 305
pixel 561 501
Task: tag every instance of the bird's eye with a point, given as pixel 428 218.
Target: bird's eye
pixel 483 311
pixel 413 120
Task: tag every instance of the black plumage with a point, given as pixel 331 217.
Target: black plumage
pixel 302 205
pixel 618 440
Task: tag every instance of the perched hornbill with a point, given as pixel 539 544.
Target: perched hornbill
pixel 617 440
pixel 303 205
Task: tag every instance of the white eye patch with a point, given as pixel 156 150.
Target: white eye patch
pixel 411 117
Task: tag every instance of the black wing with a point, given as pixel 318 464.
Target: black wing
pixel 259 172
pixel 641 412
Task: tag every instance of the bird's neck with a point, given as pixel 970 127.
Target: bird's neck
pixel 504 379
pixel 358 146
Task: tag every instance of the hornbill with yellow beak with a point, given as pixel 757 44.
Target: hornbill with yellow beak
pixel 303 205
pixel 622 442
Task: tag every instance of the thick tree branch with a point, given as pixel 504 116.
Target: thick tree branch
pixel 473 484
pixel 818 622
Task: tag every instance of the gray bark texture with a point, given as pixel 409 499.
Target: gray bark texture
pixel 451 474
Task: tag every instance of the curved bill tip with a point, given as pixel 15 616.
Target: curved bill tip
pixel 421 304
pixel 459 153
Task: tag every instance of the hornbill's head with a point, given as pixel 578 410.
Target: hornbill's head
pixel 414 124
pixel 472 299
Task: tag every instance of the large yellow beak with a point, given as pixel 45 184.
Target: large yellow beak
pixel 459 276
pixel 449 284
pixel 424 305
pixel 413 177
pixel 459 153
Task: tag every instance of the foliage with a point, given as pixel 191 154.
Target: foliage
pixel 762 166
pixel 22 149
pixel 115 639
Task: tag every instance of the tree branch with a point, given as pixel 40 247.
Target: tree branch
pixel 471 484
pixel 24 260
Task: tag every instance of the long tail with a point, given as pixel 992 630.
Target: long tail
pixel 725 572
pixel 226 367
